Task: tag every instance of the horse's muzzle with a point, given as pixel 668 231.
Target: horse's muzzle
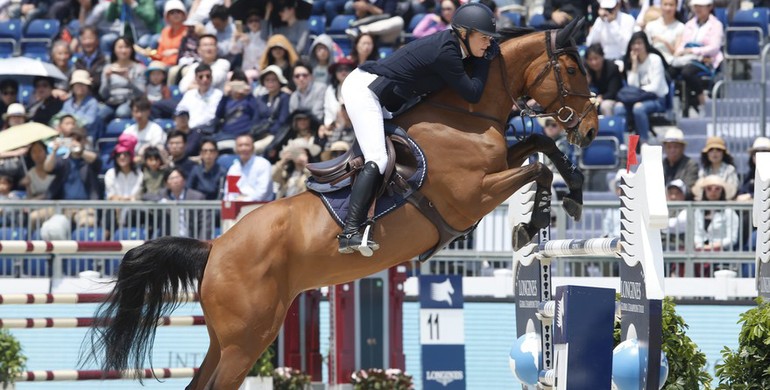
pixel 588 138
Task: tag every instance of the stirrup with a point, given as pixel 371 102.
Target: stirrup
pixel 351 242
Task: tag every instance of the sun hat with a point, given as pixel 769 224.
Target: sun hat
pixel 714 143
pixel 172 5
pixel 711 180
pixel 761 144
pixel 336 146
pixel 608 4
pixel 296 145
pixel 276 70
pixel 344 61
pixel 80 76
pixel 156 65
pixel 678 184
pixel 701 2
pixel 126 143
pixel 674 135
pixel 15 109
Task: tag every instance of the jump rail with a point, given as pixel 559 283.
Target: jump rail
pixel 83 322
pixel 66 246
pixel 86 375
pixel 50 299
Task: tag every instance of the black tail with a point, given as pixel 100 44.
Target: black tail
pixel 150 280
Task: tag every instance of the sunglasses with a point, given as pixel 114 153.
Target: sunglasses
pixel 301 75
pixel 204 76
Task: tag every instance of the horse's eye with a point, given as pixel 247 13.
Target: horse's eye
pixel 571 70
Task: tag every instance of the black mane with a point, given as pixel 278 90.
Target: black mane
pixel 509 33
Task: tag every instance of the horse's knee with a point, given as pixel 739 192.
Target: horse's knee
pixel 543 175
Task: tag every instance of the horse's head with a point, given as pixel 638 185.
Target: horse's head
pixel 558 83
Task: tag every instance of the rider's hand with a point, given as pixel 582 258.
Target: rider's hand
pixel 492 51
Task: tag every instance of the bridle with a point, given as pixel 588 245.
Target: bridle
pixel 566 115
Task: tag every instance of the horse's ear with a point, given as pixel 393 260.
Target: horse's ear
pixel 565 34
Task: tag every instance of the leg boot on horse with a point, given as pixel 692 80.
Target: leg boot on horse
pixel 352 238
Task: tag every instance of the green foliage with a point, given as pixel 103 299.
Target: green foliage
pixel 686 364
pixel 287 378
pixel 264 365
pixel 748 367
pixel 378 379
pixel 12 360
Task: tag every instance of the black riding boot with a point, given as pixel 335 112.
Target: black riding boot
pixel 351 239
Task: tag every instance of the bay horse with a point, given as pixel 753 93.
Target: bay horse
pixel 248 277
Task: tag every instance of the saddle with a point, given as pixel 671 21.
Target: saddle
pixel 404 175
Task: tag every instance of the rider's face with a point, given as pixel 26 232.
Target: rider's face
pixel 479 43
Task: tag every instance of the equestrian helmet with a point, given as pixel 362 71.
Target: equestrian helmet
pixel 476 16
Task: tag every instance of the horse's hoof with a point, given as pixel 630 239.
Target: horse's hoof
pixel 520 237
pixel 573 209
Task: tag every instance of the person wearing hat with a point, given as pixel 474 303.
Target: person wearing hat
pixel 279 51
pixel 673 238
pixel 15 115
pixel 175 13
pixel 272 109
pixel 289 172
pixel 676 165
pixel 320 58
pixel 717 228
pixel 746 191
pixel 123 182
pixel 80 103
pixel 612 29
pixel 9 94
pixel 202 102
pixel 421 67
pixel 157 89
pixel 336 149
pixel 715 159
pixel 700 47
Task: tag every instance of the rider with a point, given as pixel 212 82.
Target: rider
pixel 377 88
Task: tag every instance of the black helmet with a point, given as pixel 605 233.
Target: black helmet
pixel 476 16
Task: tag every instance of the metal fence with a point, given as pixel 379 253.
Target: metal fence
pixel 487 249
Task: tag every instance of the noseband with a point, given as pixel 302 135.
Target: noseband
pixel 565 114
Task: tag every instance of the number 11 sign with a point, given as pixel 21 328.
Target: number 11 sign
pixel 442 332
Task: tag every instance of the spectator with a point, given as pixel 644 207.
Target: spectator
pixel 222 27
pixel 552 130
pixel 304 130
pixel 37 180
pixel 15 115
pixel 385 25
pixel 664 32
pixel 761 144
pixel 294 29
pixel 188 50
pixel 251 45
pixel 147 132
pixel 43 105
pixel 715 229
pixel 65 125
pixel 650 8
pixel 200 9
pixel 191 223
pixel 677 219
pixel 123 182
pixel 142 17
pixel 560 12
pixel 9 93
pixel 124 79
pixel 61 57
pixel 218 67
pixel 89 57
pixel 31 10
pixel 716 160
pixel 646 78
pixel 152 171
pixel 157 89
pixel 171 36
pixel 82 105
pixel 330 8
pixel 333 95
pixel 308 95
pixel 76 174
pixel 290 172
pixel 502 22
pixel 432 23
pixel 255 183
pixel 675 164
pixel 698 51
pixel 279 52
pixel 194 136
pixel 364 49
pixel 208 177
pixel 336 149
pixel 321 58
pixel 8 216
pixel 202 102
pixel 605 79
pixel 343 130
pixel 237 110
pixel 12 161
pixel 272 109
pixel 176 146
pixel 612 29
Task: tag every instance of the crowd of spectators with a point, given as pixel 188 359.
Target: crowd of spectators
pixel 197 80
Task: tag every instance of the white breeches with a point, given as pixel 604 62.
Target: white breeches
pixel 366 114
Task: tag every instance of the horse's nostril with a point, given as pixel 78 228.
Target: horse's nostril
pixel 590 135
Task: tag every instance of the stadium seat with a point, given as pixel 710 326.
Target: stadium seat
pixel 613 126
pixel 514 17
pixel 385 51
pixel 104 147
pixel 340 23
pixel 88 233
pixel 36 41
pixel 176 94
pixel 130 233
pixel 10 35
pixel 13 233
pixel 226 160
pixel 116 126
pixel 165 124
pixel 317 24
pixel 25 93
pixel 344 43
pixel 634 12
pixel 536 21
pixel 414 22
pixel 721 14
pixel 746 34
pixel 603 153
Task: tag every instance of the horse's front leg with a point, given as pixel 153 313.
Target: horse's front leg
pixel 498 187
pixel 573 201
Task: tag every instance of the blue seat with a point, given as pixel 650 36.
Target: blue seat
pixel 634 12
pixel 721 14
pixel 385 51
pixel 10 35
pixel 25 93
pixel 514 17
pixel 13 233
pixel 226 160
pixel 340 23
pixel 537 21
pixel 130 233
pixel 317 24
pixel 746 33
pixel 116 126
pixel 344 44
pixel 517 127
pixel 35 267
pixel 36 41
pixel 165 124
pixel 614 126
pixel 414 22
pixel 603 153
pixel 73 266
pixel 176 94
pixel 104 147
pixel 88 234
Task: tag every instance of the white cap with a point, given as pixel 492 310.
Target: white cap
pixel 608 4
pixel 701 2
pixel 15 109
pixel 173 5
